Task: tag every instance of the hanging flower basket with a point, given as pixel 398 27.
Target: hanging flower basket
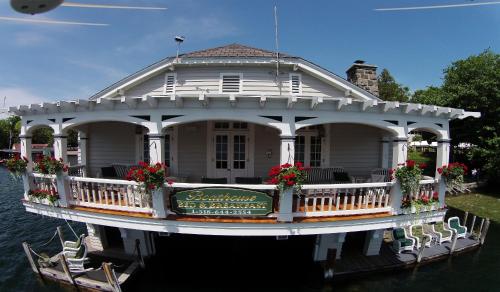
pixel 454 176
pixel 149 176
pixel 16 165
pixel 287 176
pixel 49 165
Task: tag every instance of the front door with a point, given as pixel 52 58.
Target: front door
pixel 231 150
pixel 231 155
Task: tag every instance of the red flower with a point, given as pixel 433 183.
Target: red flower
pixel 391 171
pixel 143 164
pixel 435 195
pixel 422 165
pixel 290 183
pixel 170 182
pixel 440 170
pixel 410 163
pixel 286 165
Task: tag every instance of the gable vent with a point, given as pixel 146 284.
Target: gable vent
pixel 169 83
pixel 295 84
pixel 231 83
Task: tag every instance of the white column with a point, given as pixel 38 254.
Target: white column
pixel 373 242
pixel 384 153
pixel 95 239
pixel 82 148
pixel 399 155
pixel 130 236
pixel 443 154
pixel 399 151
pixel 287 150
pixel 26 150
pixel 156 148
pixel 61 147
pixel 326 242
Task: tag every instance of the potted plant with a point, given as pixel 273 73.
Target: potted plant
pixel 16 165
pixel 409 175
pixel 287 178
pixel 453 175
pixel 49 165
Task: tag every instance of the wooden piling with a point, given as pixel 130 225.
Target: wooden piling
pixel 139 253
pixel 422 248
pixel 33 265
pixel 465 217
pixel 329 264
pixel 483 234
pixel 61 237
pixel 111 277
pixel 453 241
pixel 473 223
pixel 480 229
pixel 67 272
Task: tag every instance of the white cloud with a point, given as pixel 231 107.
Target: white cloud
pixel 196 28
pixel 16 96
pixel 25 39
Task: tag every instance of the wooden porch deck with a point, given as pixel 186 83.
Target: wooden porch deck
pixel 354 262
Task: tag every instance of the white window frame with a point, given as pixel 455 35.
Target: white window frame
pixel 300 83
pixel 165 83
pixel 221 81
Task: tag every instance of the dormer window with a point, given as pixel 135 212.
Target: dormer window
pixel 230 83
pixel 295 84
pixel 169 87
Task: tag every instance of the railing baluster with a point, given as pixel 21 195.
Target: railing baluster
pixel 322 204
pixel 330 203
pixel 344 207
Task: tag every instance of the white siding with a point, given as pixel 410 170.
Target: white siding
pixel 256 80
pixel 357 148
pixel 192 150
pixel 266 139
pixel 110 142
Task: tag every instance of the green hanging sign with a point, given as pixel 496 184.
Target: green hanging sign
pixel 222 202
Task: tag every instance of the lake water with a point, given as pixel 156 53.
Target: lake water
pixel 201 263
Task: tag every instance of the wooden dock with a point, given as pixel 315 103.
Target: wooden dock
pixel 354 262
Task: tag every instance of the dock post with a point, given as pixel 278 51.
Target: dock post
pixel 139 253
pixel 33 265
pixel 480 229
pixel 422 248
pixel 62 260
pixel 453 241
pixel 473 223
pixel 465 217
pixel 111 277
pixel 329 264
pixel 61 237
pixel 483 234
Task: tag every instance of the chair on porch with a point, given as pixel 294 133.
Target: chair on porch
pixel 74 245
pixel 330 175
pixel 401 241
pixel 248 180
pixel 77 259
pixel 418 233
pixel 379 175
pixel 454 224
pixel 214 180
pixel 443 233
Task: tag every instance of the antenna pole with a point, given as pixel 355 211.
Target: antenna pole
pixel 277 44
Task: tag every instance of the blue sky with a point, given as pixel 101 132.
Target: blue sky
pixel 48 62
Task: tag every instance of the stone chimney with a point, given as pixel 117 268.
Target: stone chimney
pixel 364 76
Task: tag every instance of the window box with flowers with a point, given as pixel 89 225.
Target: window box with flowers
pixel 44 196
pixel 453 175
pixel 423 204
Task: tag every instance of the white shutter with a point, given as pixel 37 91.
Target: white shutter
pixel 231 83
pixel 169 83
pixel 295 84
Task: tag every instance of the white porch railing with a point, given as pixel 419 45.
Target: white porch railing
pixel 427 188
pixel 77 170
pixel 46 182
pixel 342 199
pixel 121 195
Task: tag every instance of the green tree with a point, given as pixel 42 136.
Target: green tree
pixel 43 135
pixel 389 89
pixel 474 84
pixel 430 95
pixel 9 131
